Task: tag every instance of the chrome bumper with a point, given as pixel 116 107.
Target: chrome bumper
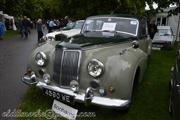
pixel 86 97
pixel 81 97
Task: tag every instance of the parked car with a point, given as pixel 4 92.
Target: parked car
pixel 100 66
pixel 163 38
pixel 71 29
pixel 174 89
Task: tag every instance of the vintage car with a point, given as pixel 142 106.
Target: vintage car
pixel 71 29
pixel 163 38
pixel 174 89
pixel 100 66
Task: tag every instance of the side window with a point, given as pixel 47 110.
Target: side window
pixel 99 24
pixel 164 21
pixel 143 31
pixel 158 21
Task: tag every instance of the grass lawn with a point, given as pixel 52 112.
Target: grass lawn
pixel 9 33
pixel 150 101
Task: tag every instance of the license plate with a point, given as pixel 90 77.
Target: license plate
pixel 59 96
pixel 156 48
pixel 64 110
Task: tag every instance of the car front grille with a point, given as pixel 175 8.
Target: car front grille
pixel 66 66
pixel 57 65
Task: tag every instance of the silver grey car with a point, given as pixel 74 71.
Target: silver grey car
pixel 100 66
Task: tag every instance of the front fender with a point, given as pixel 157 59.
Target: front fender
pixel 119 72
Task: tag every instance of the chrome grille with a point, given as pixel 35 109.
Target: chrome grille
pixel 69 67
pixel 57 65
pixel 66 66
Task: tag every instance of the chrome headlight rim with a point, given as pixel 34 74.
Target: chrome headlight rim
pixel 43 39
pixel 95 64
pixel 50 38
pixel 41 59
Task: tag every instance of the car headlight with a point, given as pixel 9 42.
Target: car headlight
pixel 43 39
pixel 51 38
pixel 95 68
pixel 41 59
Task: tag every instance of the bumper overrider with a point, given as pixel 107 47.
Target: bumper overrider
pixel 86 97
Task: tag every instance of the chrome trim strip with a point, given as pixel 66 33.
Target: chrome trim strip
pixel 61 66
pixel 79 64
pixel 80 97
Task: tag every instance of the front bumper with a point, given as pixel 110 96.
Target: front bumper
pixel 161 44
pixel 82 97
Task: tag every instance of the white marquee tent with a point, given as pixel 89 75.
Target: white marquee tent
pixel 6 16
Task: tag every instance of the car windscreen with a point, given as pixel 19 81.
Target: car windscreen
pixel 70 25
pixel 123 25
pixel 164 32
pixel 78 25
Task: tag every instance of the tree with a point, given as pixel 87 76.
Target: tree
pixel 78 8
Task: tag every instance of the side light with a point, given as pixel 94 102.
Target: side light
pixel 74 85
pixel 102 92
pixel 95 84
pixel 47 78
pixel 111 89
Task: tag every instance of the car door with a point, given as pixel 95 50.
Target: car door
pixel 143 37
pixel 176 90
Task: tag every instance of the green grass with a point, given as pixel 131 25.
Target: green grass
pixel 9 33
pixel 150 101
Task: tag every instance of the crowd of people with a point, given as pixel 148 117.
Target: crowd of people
pixel 57 24
pixel 25 24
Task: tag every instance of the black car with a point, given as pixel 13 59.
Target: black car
pixel 174 88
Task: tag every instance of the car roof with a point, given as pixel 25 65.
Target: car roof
pixel 80 20
pixel 163 27
pixel 120 15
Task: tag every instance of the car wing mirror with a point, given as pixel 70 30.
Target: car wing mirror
pixel 135 44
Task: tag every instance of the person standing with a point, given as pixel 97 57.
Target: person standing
pixel 20 26
pixel 51 25
pixel 152 30
pixel 25 24
pixel 1 29
pixel 29 25
pixel 39 26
